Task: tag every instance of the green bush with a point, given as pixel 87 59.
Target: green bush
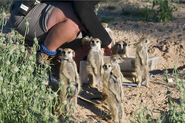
pixel 176 112
pixel 5 5
pixel 161 10
pixel 24 96
pixel 24 92
pixel 164 11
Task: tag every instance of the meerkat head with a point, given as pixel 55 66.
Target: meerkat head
pixel 116 59
pixel 67 53
pixel 95 43
pixel 143 41
pixel 107 67
pixel 121 47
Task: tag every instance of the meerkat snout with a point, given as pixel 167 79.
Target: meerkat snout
pixel 92 43
pixel 107 67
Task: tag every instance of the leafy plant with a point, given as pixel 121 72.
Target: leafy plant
pixel 164 11
pixel 161 10
pixel 176 112
pixel 5 5
pixel 24 92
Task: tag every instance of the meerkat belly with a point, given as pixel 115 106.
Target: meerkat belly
pixel 71 71
pixel 98 59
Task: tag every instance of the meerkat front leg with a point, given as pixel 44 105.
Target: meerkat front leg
pixel 147 76
pixel 101 67
pixel 77 77
pixel 94 66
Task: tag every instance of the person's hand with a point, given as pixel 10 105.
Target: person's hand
pixel 107 50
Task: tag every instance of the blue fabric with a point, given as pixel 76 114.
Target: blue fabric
pixel 43 49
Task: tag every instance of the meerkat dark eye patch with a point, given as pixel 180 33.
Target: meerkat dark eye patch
pixel 69 52
pixel 63 52
pixel 119 45
pixel 105 66
pixel 125 44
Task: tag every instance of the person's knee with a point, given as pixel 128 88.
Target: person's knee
pixel 74 29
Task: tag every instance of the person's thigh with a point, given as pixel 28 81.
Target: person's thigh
pixel 61 12
pixel 42 18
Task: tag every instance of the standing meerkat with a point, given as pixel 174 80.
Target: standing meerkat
pixel 69 79
pixel 95 63
pixel 141 62
pixel 114 92
pixel 106 75
pixel 120 48
pixel 115 60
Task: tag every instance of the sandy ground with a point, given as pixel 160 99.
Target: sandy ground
pixel 167 42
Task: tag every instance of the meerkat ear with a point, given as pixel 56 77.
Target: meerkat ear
pixel 60 50
pixel 100 42
pixel 125 43
pixel 73 53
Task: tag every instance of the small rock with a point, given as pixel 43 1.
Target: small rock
pixel 170 80
pixel 181 46
pixel 163 48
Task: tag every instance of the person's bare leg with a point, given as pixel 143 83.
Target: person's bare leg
pixel 61 33
pixel 62 26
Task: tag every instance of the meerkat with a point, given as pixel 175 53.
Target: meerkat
pixel 116 98
pixel 95 62
pixel 107 70
pixel 112 88
pixel 69 79
pixel 141 62
pixel 120 48
pixel 115 60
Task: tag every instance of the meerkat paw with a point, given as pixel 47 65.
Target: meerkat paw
pixel 139 85
pixel 93 85
pixel 147 85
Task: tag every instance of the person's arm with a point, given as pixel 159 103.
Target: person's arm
pixel 85 11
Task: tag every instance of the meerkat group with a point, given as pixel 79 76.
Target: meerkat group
pixel 106 75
